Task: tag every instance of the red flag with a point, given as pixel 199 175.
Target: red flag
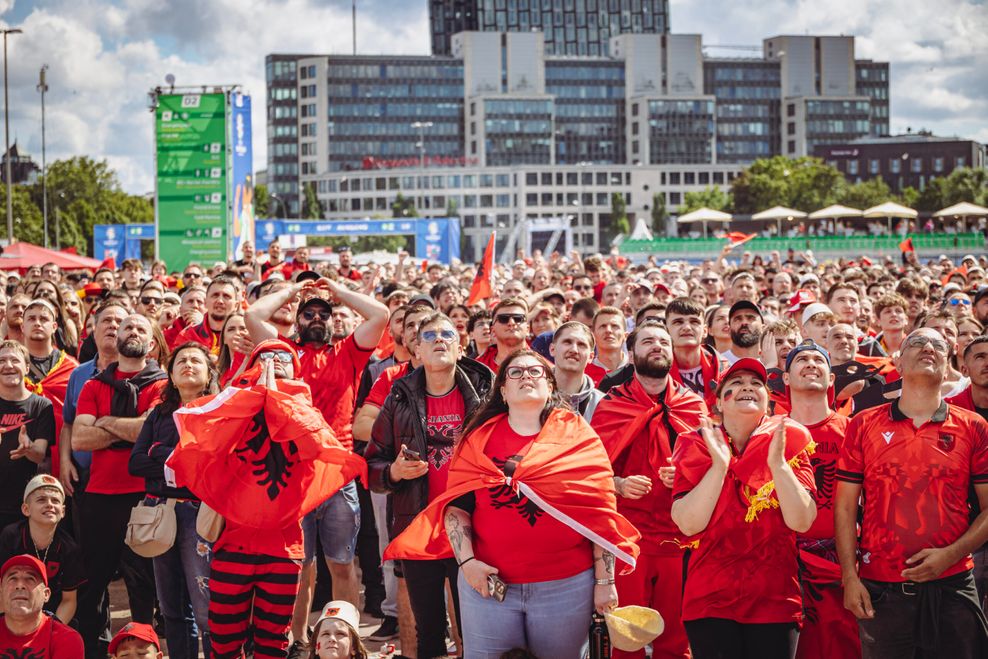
pixel 69 250
pixel 481 287
pixel 110 263
pixel 737 238
pixel 425 265
pixel 906 246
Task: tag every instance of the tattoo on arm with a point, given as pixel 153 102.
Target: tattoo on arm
pixel 458 531
pixel 607 558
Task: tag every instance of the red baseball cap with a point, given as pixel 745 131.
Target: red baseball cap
pixel 800 298
pixel 743 364
pixel 137 630
pixel 28 561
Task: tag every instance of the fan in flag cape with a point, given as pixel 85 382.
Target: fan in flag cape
pixel 261 457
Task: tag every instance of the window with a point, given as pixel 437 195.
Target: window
pixel 874 166
pixel 938 164
pixel 689 178
pixel 852 167
pixel 791 145
pixel 916 165
pixel 531 178
pixel 791 110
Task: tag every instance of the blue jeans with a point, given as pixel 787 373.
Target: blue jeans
pixel 336 522
pixel 550 619
pixel 181 576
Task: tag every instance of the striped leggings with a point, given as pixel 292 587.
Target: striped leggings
pixel 251 590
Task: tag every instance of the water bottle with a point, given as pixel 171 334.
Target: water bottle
pixel 600 640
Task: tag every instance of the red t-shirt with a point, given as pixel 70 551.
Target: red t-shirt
pixel 171 334
pixel 382 385
pixel 287 543
pixel 109 473
pixel 202 334
pixel 828 435
pixel 741 571
pixel 915 483
pixel 51 640
pixel 487 358
pixel 443 418
pixel 333 373
pixel 514 535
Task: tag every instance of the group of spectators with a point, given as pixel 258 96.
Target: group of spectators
pixel 783 457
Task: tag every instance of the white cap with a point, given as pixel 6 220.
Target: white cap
pixel 813 309
pixel 341 610
pixel 43 480
pixel 808 277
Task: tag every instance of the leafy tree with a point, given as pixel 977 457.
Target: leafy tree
pixel 261 201
pixel 403 207
pixel 805 184
pixel 660 216
pixel 712 197
pixel 962 184
pixel 866 194
pixel 908 197
pixel 619 216
pixel 311 206
pixel 28 221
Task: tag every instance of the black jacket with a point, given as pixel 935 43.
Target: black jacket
pixel 402 421
pixel 157 440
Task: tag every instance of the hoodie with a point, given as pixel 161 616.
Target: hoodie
pixel 585 400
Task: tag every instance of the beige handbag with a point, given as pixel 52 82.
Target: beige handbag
pixel 209 523
pixel 151 529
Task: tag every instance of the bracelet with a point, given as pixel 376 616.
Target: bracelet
pixel 465 561
pixel 603 582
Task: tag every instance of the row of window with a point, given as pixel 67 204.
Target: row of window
pixel 842 108
pixel 353 91
pixel 896 165
pixel 405 110
pixel 585 92
pixel 425 70
pixel 354 130
pixel 842 126
pixel 557 72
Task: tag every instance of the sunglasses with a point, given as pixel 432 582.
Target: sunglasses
pixel 708 281
pixel 505 318
pixel 146 300
pixel 192 275
pixel 310 315
pixel 959 300
pixel 92 299
pixel 518 372
pixel 431 336
pixel 585 287
pixel 280 355
pixel 938 345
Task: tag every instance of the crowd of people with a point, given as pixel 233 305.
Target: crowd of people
pixel 782 457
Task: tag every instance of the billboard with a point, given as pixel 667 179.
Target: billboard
pixel 192 185
pixel 120 241
pixel 242 173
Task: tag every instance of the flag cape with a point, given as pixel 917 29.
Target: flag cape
pixel 481 287
pixel 566 473
pixel 710 368
pixel 260 457
pixel 737 238
pixel 627 411
pixel 53 387
pixel 906 246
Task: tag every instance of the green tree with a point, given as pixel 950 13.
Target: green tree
pixel 712 197
pixel 908 197
pixel 28 221
pixel 805 184
pixel 403 207
pixel 311 206
pixel 619 216
pixel 962 184
pixel 660 216
pixel 866 194
pixel 261 201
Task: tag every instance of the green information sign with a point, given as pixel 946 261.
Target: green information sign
pixel 192 178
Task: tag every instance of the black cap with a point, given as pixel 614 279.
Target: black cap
pixel 342 248
pixel 743 304
pixel 306 275
pixel 980 295
pixel 314 301
pixel 420 300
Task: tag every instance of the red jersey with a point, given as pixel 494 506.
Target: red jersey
pixel 51 640
pixel 109 473
pixel 171 334
pixel 287 543
pixel 487 358
pixel 382 385
pixel 443 419
pixel 352 275
pixel 598 371
pixel 745 566
pixel 915 483
pixel 333 373
pixel 509 531
pixel 828 435
pixel 202 334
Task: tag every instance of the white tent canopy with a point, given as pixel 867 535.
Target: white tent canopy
pixel 779 213
pixel 963 209
pixel 641 231
pixel 891 209
pixel 704 215
pixel 835 211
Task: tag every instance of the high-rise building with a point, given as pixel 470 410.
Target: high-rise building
pixel 569 27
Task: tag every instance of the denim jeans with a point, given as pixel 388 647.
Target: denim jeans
pixel 550 619
pixel 181 575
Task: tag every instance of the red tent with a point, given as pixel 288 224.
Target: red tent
pixel 21 256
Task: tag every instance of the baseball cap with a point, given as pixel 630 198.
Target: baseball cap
pixel 28 561
pixel 805 279
pixel 43 480
pixel 643 283
pixel 519 262
pixel 743 304
pixel 980 295
pixel 307 275
pixel 137 630
pixel 743 364
pixel 807 344
pixel 812 310
pixel 799 298
pixel 341 610
pixel 342 248
pixel 312 302
pixel 420 300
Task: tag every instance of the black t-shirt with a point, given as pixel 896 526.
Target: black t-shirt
pixel 36 413
pixel 40 367
pixel 63 559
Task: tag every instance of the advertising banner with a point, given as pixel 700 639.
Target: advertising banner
pixel 242 219
pixel 120 241
pixel 192 185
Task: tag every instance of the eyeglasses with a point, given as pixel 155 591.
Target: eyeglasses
pixel 518 372
pixel 92 299
pixel 280 355
pixel 505 318
pixel 310 315
pixel 708 281
pixel 585 287
pixel 146 300
pixel 938 345
pixel 959 300
pixel 192 275
pixel 431 336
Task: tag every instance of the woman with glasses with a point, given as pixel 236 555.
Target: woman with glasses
pixel 742 490
pixel 529 514
pixel 181 573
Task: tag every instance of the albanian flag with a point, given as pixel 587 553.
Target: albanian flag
pixel 53 387
pixel 481 287
pixel 566 473
pixel 906 246
pixel 737 238
pixel 261 457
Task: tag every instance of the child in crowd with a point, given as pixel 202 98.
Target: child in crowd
pixel 335 635
pixel 136 640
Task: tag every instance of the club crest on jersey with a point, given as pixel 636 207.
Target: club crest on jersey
pixel 887 436
pixel 945 442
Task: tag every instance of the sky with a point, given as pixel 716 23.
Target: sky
pixel 104 56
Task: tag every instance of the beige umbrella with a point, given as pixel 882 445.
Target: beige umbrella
pixel 779 213
pixel 963 210
pixel 834 212
pixel 704 215
pixel 888 210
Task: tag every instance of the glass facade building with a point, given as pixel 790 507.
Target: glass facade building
pixel 747 92
pixel 589 109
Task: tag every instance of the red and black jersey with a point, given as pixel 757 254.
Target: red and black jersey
pixel 382 385
pixel 915 483
pixel 202 334
pixel 828 435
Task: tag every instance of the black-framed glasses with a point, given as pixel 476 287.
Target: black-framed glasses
pixel 310 315
pixel 280 355
pixel 709 281
pixel 431 336
pixel 147 299
pixel 192 275
pixel 518 372
pixel 584 287
pixel 505 318
pixel 939 345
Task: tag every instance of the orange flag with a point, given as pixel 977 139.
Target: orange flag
pixel 481 288
pixel 737 238
pixel 906 246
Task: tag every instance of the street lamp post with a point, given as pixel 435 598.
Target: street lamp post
pixel 43 88
pixel 6 122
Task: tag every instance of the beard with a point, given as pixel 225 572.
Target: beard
pixel 654 367
pixel 745 339
pixel 315 334
pixel 133 348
